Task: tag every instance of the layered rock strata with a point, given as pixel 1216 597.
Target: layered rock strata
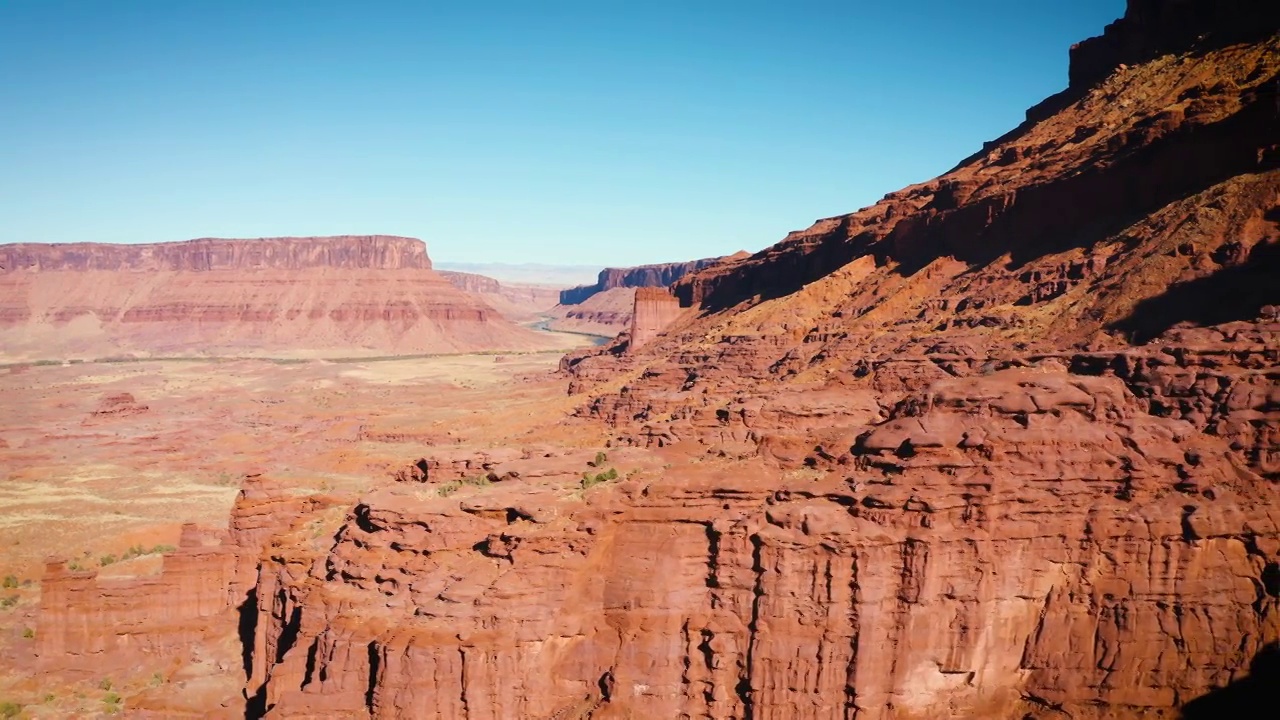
pixel 343 295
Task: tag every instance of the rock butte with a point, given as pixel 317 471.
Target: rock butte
pixel 327 296
pixel 1003 445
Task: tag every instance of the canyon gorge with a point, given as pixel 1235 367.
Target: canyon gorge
pixel 1005 444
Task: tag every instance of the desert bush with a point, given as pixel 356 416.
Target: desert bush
pixel 28 633
pixel 106 560
pixel 10 709
pixel 105 684
pixel 600 460
pixel 589 480
pixel 9 602
pixel 10 581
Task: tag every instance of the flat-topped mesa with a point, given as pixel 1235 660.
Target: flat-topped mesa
pixel 375 252
pixel 655 309
pixel 660 275
pixel 368 294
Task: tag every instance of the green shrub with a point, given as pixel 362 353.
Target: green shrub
pixel 112 702
pixel 449 488
pixel 10 709
pixel 589 481
pixel 601 459
pixel 10 581
pixel 106 560
pixel 28 633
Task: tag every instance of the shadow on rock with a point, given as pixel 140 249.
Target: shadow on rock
pixel 1253 696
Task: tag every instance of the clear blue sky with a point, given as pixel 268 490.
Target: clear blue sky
pixel 571 132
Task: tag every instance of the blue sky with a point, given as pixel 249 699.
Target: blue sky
pixel 566 132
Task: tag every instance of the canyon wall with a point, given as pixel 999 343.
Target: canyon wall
pixel 1004 445
pixel 516 302
pixel 659 275
pixel 343 295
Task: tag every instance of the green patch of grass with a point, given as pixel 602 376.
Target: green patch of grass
pixel 112 702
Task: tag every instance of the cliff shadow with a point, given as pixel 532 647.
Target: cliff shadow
pixel 1252 697
pixel 1233 293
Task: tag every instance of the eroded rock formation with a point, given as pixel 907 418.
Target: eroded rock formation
pixel 342 295
pixel 1004 445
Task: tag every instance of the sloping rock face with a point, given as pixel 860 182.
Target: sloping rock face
pixel 515 301
pixel 336 295
pixel 660 275
pixel 605 313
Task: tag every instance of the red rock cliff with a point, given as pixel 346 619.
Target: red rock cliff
pixel 660 275
pixel 339 295
pixel 655 309
pixel 383 252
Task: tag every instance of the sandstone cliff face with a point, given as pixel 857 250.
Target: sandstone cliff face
pixel 660 275
pixel 199 599
pixel 1001 546
pixel 1005 445
pixel 345 295
pixel 605 313
pixel 291 253
pixel 514 301
pixel 655 309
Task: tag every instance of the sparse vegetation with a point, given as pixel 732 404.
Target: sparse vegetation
pixel 105 684
pixel 28 633
pixel 112 702
pixel 10 581
pixel 157 678
pixel 589 480
pixel 453 486
pixel 75 566
pixel 106 560
pixel 9 602
pixel 10 709
pixel 600 459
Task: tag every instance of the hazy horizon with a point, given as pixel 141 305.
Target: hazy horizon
pixel 569 134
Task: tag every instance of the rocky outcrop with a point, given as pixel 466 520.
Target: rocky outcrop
pixel 660 275
pixel 1004 445
pixel 655 310
pixel 201 598
pixel 1022 543
pixel 338 296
